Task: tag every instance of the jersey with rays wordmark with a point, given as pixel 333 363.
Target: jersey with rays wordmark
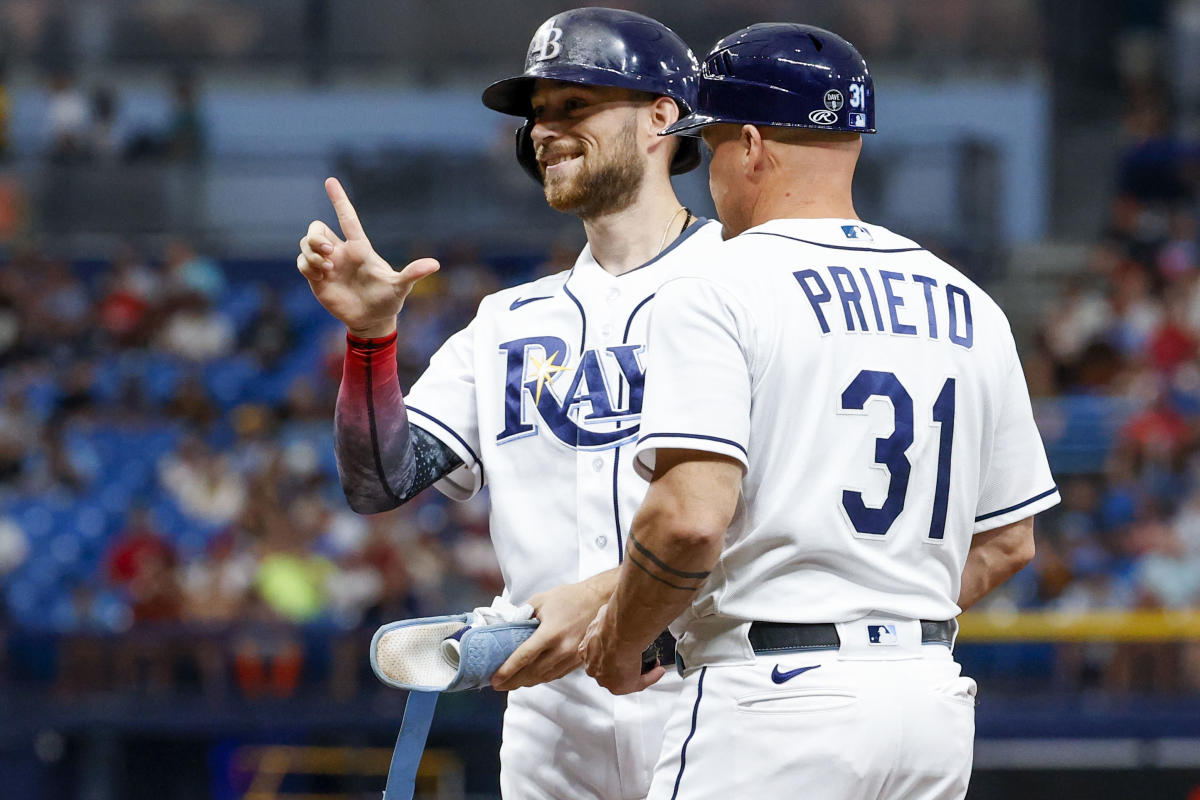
pixel 541 395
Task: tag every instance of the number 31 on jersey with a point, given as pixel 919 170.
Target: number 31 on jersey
pixel 890 452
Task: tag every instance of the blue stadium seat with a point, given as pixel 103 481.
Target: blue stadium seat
pixel 227 379
pixel 242 303
pixel 1079 430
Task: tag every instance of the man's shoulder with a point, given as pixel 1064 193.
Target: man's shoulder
pixel 847 235
pixel 704 233
pixel 515 297
pixel 701 237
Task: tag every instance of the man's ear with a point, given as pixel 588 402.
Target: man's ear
pixel 664 112
pixel 754 153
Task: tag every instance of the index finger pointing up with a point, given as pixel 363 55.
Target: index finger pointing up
pixel 347 218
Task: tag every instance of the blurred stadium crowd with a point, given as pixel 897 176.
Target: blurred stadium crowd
pixel 1119 347
pixel 166 467
pixel 170 516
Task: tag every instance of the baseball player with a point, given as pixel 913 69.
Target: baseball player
pixel 539 396
pixel 843 456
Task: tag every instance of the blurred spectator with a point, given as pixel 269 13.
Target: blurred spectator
pixel 10 322
pixel 184 139
pixel 1166 575
pixel 1080 317
pixel 5 110
pixel 68 119
pixel 196 331
pixel 58 469
pixel 381 552
pixel 18 435
pixel 131 290
pixel 215 585
pixel 76 397
pixel 104 139
pixel 64 307
pixel 290 580
pixel 254 446
pixel 563 252
pixel 14 548
pixel 1173 344
pixel 201 483
pixel 216 588
pixel 192 405
pixel 303 405
pixel 1134 313
pixel 269 335
pixel 1177 259
pixel 141 562
pixel 186 135
pixel 1153 167
pixel 187 272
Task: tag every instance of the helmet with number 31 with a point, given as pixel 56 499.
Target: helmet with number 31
pixel 786 75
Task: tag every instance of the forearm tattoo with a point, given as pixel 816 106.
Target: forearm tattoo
pixel 645 560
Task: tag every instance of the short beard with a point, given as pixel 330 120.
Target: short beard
pixel 608 186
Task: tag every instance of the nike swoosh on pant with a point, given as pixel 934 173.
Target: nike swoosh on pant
pixel 783 677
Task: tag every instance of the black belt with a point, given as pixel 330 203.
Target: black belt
pixel 775 637
pixel 661 651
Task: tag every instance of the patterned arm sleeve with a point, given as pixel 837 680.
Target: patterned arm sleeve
pixel 382 460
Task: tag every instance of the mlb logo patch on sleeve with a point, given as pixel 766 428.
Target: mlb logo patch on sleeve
pixel 882 634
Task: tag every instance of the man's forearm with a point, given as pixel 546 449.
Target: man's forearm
pixel 372 438
pixel 975 581
pixel 995 557
pixel 382 460
pixel 662 570
pixel 603 584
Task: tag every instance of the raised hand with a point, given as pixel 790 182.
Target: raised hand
pixel 349 278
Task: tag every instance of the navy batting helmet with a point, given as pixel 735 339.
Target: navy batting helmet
pixel 601 47
pixel 787 75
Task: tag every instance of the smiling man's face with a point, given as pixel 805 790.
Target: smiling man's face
pixel 587 144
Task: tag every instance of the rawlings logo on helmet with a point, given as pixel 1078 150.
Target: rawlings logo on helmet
pixel 546 42
pixel 822 116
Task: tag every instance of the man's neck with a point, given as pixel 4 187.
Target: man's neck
pixel 627 239
pixel 806 191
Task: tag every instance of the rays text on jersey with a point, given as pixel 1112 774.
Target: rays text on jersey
pixel 883 301
pixel 585 405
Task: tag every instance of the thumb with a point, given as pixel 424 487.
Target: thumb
pixel 416 270
pixel 650 678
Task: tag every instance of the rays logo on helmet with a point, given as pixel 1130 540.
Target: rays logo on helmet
pixel 834 100
pixel 822 116
pixel 546 42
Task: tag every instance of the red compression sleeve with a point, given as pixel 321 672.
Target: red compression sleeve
pixel 371 432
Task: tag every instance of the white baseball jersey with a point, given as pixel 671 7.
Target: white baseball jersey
pixel 874 395
pixel 541 396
